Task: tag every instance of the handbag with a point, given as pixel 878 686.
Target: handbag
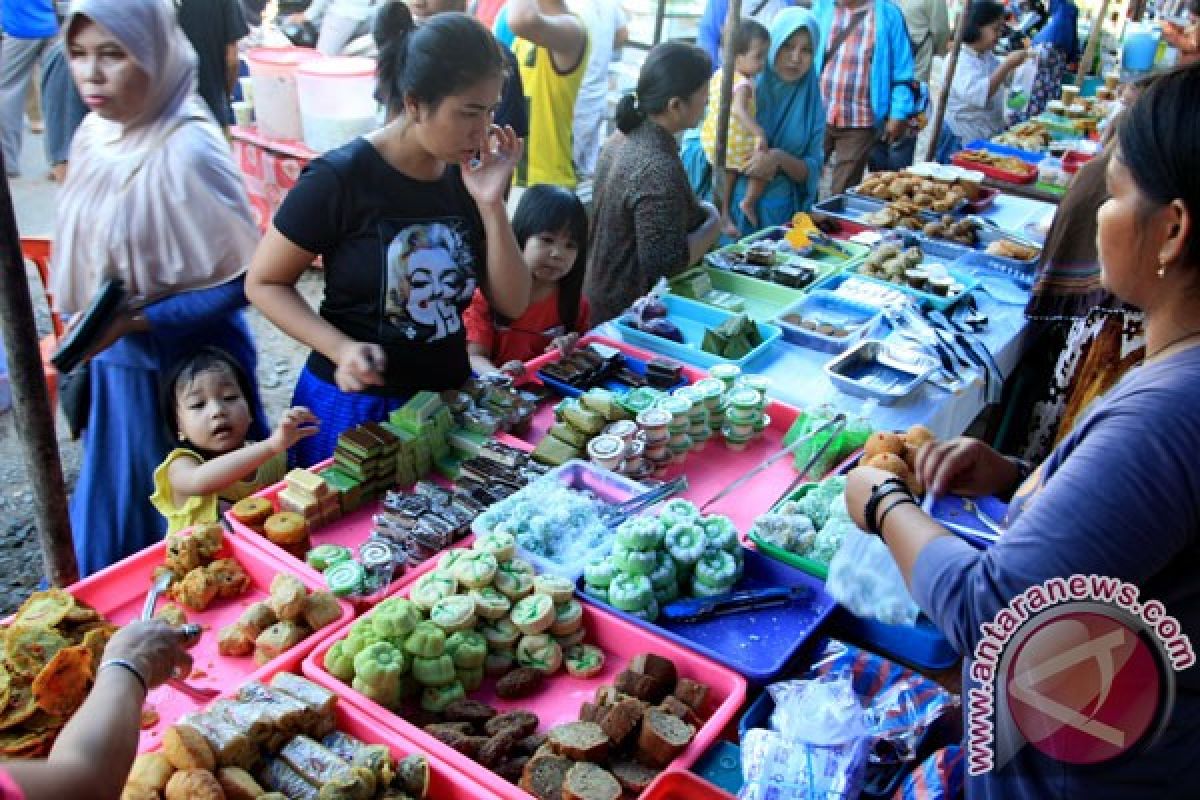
pixel 75 397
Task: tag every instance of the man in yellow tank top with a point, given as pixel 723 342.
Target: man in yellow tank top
pixel 552 50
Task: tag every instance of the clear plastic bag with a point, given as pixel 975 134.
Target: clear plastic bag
pixel 864 578
pixel 817 747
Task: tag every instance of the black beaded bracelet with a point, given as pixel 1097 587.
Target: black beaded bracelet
pixel 888 510
pixel 881 490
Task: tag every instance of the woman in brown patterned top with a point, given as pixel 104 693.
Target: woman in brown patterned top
pixel 648 223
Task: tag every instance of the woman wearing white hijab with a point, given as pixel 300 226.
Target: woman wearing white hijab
pixel 153 197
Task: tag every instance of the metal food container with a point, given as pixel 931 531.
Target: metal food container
pixel 880 370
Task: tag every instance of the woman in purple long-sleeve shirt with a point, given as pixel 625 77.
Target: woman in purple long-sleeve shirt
pixel 1118 498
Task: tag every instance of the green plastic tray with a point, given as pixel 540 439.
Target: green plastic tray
pixel 802 563
pixel 764 300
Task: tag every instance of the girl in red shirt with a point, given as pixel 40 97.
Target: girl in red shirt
pixel 551 228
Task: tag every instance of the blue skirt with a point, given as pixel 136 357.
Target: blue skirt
pixel 338 411
pixel 126 440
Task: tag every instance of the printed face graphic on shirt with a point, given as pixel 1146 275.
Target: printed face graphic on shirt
pixel 430 280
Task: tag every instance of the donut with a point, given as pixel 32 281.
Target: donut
pixel 432 587
pixel 720 532
pixel 501 634
pixel 664 573
pixel 599 572
pixel 677 511
pixel 515 578
pixel 640 533
pixel 502 545
pixel 686 544
pixel 717 569
pixel 630 592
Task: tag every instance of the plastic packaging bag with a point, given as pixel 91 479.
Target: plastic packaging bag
pixel 864 578
pixel 817 749
pixel 851 438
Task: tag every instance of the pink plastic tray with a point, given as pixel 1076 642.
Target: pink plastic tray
pixel 715 466
pixel 445 782
pixel 682 785
pixel 561 697
pixel 349 531
pixel 119 591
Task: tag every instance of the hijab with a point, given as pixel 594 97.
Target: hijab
pixel 792 113
pixel 156 201
pixel 1062 30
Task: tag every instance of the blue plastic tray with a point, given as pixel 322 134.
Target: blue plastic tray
pixel 921 645
pixel 721 765
pixel 1027 156
pixel 757 644
pixel 831 308
pixel 968 280
pixel 634 364
pixel 1021 273
pixel 693 319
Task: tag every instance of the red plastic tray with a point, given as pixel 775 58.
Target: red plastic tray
pixel 1074 159
pixel 682 785
pixel 445 782
pixel 561 697
pixel 714 467
pixel 1029 176
pixel 118 592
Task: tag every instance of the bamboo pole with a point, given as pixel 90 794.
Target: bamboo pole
pixel 728 56
pixel 1089 53
pixel 31 404
pixel 947 80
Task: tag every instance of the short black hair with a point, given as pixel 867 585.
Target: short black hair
pixel 746 34
pixel 185 370
pixel 1159 145
pixel 551 209
pixel 981 14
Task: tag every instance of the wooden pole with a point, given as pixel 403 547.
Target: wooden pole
pixel 1089 53
pixel 31 404
pixel 728 56
pixel 947 81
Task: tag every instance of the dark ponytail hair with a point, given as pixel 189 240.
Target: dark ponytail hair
pixel 1160 148
pixel 981 14
pixel 747 33
pixel 672 69
pixel 552 209
pixel 446 55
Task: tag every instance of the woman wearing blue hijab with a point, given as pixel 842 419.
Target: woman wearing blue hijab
pixel 791 112
pixel 1057 46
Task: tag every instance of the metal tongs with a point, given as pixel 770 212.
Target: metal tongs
pixel 614 514
pixel 838 422
pixel 160 585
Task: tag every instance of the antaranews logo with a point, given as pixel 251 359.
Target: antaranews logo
pixel 1076 667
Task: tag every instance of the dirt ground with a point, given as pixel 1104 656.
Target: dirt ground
pixel 279 361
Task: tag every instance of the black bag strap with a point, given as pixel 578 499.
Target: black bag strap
pixel 762 4
pixel 841 38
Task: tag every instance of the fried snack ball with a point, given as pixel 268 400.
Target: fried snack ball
pixel 172 615
pixel 135 792
pixel 289 597
pixel 883 442
pixel 150 771
pixel 890 462
pixel 321 609
pixel 209 538
pixel 919 435
pixel 183 553
pixel 234 640
pixel 194 784
pixel 229 576
pixel 238 784
pixel 197 590
pixel 186 749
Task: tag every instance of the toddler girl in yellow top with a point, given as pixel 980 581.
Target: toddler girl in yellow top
pixel 204 399
pixel 746 137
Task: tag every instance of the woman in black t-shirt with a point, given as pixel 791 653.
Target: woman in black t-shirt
pixel 408 220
